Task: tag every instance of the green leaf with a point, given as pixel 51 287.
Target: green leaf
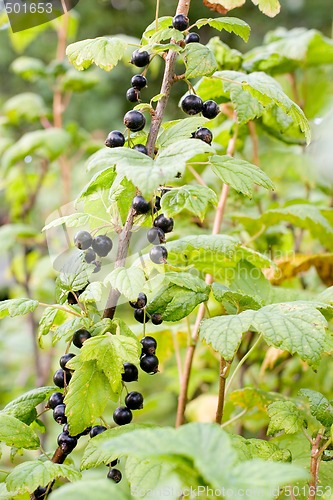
pixel 196 449
pixel 165 31
pixel 240 301
pixel 194 199
pixel 105 52
pixel 75 273
pixel 74 220
pixel 13 432
pixel 284 416
pixel 320 407
pixel 297 327
pixel 269 7
pixel 247 279
pixel 22 406
pixel 268 92
pixel 179 129
pixel 29 475
pixel 28 68
pixel 240 174
pixel 175 302
pixel 17 307
pixel 101 181
pixel 73 81
pixel 67 329
pixel 259 448
pixel 229 24
pixel 250 398
pixel 93 292
pixel 49 144
pixel 129 281
pixel 199 60
pixel 87 396
pixel 213 254
pixel 110 353
pixel 146 475
pixel 98 489
pixel 27 107
pixel 50 317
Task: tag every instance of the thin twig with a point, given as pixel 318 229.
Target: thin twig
pixel 233 419
pixel 242 361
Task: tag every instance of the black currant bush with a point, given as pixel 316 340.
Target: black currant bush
pixel 214 305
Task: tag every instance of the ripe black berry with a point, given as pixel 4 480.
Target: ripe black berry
pixel 98 266
pixel 149 345
pixel 164 223
pixel 204 134
pixel 66 442
pixel 79 337
pixel 130 374
pixel 122 415
pixel 210 109
pixel 141 301
pixel 60 377
pixel 155 235
pixel 139 82
pixel 89 256
pixel 140 205
pixel 59 414
pixel 57 398
pixel 102 245
pixel 134 120
pixel 115 139
pixel 115 475
pixel 156 319
pixel 141 316
pixel 158 254
pixel 192 104
pixel 132 95
pixel 192 38
pixel 180 22
pixel 64 359
pixel 113 463
pixel 39 493
pixel 157 203
pixel 141 148
pixel 134 400
pixel 97 429
pixel 149 363
pixel 82 240
pixel 140 59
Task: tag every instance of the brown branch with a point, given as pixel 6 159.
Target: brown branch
pixel 182 399
pixel 223 377
pixel 314 467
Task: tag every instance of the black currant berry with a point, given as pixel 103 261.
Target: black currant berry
pixel 39 493
pixel 97 429
pixel 132 95
pixel 64 359
pixel 158 254
pixel 210 109
pixel 140 205
pixel 60 377
pixel 122 415
pixel 149 345
pixel 59 414
pixel 131 373
pixel 65 429
pixel 204 134
pixel 115 139
pixel 139 82
pixel 141 316
pixel 192 38
pixel 134 120
pixel 57 398
pixel 140 302
pixel 134 400
pixel 66 442
pixel 164 223
pixel 155 235
pixel 180 22
pixel 141 148
pixel 79 337
pixel 84 433
pixel 115 475
pixel 102 245
pixel 149 363
pixel 98 266
pixel 157 203
pixel 82 240
pixel 89 256
pixel 140 59
pixel 113 463
pixel 192 104
pixel 156 319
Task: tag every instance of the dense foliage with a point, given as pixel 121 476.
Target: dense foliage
pixel 191 277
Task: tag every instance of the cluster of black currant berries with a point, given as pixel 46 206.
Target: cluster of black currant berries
pixel 192 105
pixel 99 246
